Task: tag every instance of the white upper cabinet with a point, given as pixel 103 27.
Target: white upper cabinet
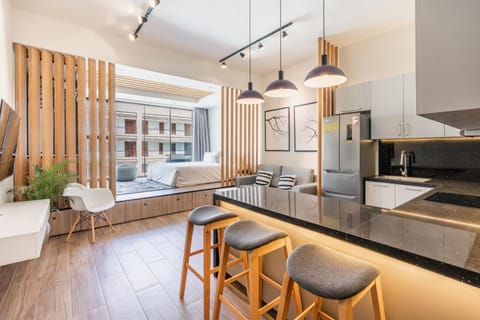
pixel 354 98
pixel 387 108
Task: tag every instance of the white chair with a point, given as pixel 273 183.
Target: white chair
pixel 91 205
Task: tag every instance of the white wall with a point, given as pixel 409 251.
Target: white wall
pixel 44 32
pixel 389 54
pixel 6 74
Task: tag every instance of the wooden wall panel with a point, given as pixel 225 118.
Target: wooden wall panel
pixel 102 122
pixel 92 107
pixel 82 120
pixel 70 117
pixel 33 108
pixel 21 161
pixel 111 128
pixel 59 106
pixel 47 109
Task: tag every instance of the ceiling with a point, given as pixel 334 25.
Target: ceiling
pixel 212 29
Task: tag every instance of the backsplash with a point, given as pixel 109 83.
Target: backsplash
pixel 457 159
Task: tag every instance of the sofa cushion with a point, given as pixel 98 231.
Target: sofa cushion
pixel 304 175
pixel 264 178
pixel 286 182
pixel 276 169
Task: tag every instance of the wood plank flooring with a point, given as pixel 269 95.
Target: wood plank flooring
pixel 133 273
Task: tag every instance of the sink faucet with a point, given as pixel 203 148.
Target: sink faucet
pixel 403 162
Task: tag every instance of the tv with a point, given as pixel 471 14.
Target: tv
pixel 9 129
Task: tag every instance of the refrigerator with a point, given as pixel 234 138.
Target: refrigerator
pixel 348 155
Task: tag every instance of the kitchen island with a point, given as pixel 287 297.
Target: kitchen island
pixel 429 269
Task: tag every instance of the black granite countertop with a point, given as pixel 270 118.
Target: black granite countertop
pixel 449 249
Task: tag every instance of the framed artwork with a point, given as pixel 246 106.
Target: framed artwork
pixel 277 129
pixel 305 126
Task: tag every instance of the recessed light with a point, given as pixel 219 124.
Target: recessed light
pixel 223 65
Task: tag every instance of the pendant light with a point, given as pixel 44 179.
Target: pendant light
pixel 325 75
pixel 250 96
pixel 280 88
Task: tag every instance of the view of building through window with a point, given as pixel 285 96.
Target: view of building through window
pixel 165 135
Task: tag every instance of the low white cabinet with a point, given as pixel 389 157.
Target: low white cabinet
pixel 391 195
pixel 22 230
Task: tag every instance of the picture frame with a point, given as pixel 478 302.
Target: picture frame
pixel 277 129
pixel 305 127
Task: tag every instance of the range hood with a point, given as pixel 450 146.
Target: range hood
pixel 447 62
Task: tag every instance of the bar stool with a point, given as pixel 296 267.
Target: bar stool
pixel 211 218
pixel 332 275
pixel 257 240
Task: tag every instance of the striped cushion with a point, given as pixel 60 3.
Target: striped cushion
pixel 286 182
pixel 264 178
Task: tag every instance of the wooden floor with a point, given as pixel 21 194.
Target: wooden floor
pixel 133 273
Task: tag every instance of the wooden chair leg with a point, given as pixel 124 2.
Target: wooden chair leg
pixel 186 258
pixel 92 224
pixel 108 220
pixel 77 220
pixel 285 297
pixel 377 300
pixel 254 282
pixel 207 250
pixel 224 250
pixel 345 309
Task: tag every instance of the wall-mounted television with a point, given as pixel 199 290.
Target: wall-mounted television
pixel 9 129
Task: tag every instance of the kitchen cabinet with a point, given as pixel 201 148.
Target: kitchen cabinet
pixel 202 198
pixel 380 194
pixel 394 110
pixel 177 203
pixel 391 195
pixel 353 98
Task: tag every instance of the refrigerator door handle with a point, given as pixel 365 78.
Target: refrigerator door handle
pixel 341 172
pixel 338 195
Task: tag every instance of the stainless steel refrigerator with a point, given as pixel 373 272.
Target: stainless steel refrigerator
pixel 348 155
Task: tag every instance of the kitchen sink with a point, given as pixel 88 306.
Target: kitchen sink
pixel 407 179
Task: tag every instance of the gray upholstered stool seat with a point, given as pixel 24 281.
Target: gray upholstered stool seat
pixel 207 214
pixel 247 235
pixel 329 274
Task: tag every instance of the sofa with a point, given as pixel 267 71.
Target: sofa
pixel 305 178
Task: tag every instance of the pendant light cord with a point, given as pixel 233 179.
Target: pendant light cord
pixel 250 40
pixel 324 40
pixel 280 35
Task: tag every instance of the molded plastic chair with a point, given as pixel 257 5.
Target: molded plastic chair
pixel 91 205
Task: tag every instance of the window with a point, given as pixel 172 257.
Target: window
pixel 174 128
pixel 188 148
pixel 160 148
pixel 130 149
pixel 188 129
pixel 145 148
pixel 173 148
pixel 161 127
pixel 130 126
pixel 144 126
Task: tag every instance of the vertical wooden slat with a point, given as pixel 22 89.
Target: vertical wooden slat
pixel 21 161
pixel 244 151
pixel 59 107
pixel 82 121
pixel 241 107
pixel 249 148
pixel 222 137
pixel 232 134
pixel 227 137
pixel 238 132
pixel 111 129
pixel 47 109
pixel 256 137
pixel 320 106
pixel 70 118
pixel 92 106
pixel 33 108
pixel 252 128
pixel 102 122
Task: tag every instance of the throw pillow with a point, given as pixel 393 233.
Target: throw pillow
pixel 264 178
pixel 286 182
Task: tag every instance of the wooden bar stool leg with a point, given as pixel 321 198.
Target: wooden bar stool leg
pixel 345 309
pixel 77 220
pixel 254 282
pixel 207 242
pixel 92 224
pixel 285 297
pixel 318 308
pixel 186 258
pixel 296 289
pixel 225 249
pixel 244 257
pixel 377 300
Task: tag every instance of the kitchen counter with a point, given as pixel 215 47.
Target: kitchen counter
pixel 451 250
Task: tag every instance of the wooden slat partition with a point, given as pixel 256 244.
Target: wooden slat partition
pixel 66 118
pixel 324 101
pixel 21 160
pixel 239 125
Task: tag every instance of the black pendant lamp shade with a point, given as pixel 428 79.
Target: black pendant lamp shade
pixel 250 96
pixel 281 88
pixel 325 75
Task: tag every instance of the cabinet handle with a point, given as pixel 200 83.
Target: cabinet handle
pixel 144 204
pixel 379 186
pixel 350 110
pixel 399 127
pixel 407 130
pixel 412 189
pixel 178 199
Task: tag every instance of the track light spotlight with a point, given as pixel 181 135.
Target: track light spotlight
pixel 154 3
pixel 132 37
pixel 141 19
pixel 284 34
pixel 242 55
pixel 260 46
pixel 224 65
